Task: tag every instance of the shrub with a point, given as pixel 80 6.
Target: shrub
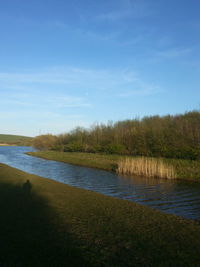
pixel 44 142
pixel 74 147
pixel 115 149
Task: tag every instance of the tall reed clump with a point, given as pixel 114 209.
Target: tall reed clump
pixel 143 166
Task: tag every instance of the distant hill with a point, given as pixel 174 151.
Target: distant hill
pixel 15 139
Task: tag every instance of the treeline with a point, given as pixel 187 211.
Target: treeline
pixel 168 136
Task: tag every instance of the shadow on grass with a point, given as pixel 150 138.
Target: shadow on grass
pixel 28 235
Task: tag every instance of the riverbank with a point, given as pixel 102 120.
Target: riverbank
pixel 7 144
pixel 46 223
pixel 185 169
pixel 14 140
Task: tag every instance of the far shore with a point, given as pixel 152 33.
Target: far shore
pixel 4 144
pixel 186 169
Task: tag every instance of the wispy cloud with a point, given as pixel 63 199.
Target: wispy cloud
pixel 140 88
pixel 114 15
pixel 102 36
pixel 68 102
pixel 49 98
pixel 33 122
pixel 164 41
pixel 43 101
pixel 171 53
pixel 73 86
pixel 58 24
pixel 174 52
pixel 34 114
pixel 126 10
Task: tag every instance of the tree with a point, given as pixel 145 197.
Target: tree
pixel 45 142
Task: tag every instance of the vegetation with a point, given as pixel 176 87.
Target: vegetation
pixel 184 169
pixel 99 161
pixel 15 140
pixel 46 223
pixel 44 142
pixel 168 136
pixel 150 167
pixel 173 142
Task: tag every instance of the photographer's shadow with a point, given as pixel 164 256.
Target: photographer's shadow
pixel 30 235
pixel 26 187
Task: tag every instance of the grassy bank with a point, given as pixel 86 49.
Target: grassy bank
pixel 45 223
pixel 184 169
pixel 9 139
pixel 99 161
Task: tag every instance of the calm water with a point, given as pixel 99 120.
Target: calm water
pixel 180 198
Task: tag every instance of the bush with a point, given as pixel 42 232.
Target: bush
pixel 74 147
pixel 182 153
pixel 57 148
pixel 115 149
pixel 45 142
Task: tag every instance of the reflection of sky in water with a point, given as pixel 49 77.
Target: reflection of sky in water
pixel 181 198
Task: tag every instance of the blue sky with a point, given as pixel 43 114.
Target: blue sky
pixel 74 63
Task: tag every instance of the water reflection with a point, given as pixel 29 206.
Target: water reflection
pixel 181 198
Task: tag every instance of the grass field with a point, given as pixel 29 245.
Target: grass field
pixel 14 139
pixel 184 169
pixel 46 223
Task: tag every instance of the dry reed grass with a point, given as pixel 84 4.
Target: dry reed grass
pixel 150 167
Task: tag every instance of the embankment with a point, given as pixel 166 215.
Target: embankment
pixel 46 223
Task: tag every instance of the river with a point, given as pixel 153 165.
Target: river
pixel 171 196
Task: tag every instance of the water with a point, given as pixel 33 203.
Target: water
pixel 180 198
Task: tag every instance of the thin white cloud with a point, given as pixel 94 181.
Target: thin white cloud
pixel 174 52
pixel 68 77
pixel 114 15
pixel 68 102
pixel 142 89
pixel 54 99
pixel 164 41
pixel 101 36
pixel 58 24
pixel 127 10
pixel 138 92
pixel 67 88
pixel 138 39
pixel 34 114
pixel 34 123
pixel 33 100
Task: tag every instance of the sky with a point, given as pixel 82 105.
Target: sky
pixel 75 63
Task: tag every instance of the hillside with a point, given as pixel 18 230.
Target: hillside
pixel 14 139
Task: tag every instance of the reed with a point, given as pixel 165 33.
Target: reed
pixel 143 166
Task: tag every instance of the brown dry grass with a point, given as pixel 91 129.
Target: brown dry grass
pixel 150 167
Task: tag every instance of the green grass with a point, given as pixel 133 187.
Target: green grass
pixel 100 161
pixel 53 224
pixel 185 169
pixel 14 139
